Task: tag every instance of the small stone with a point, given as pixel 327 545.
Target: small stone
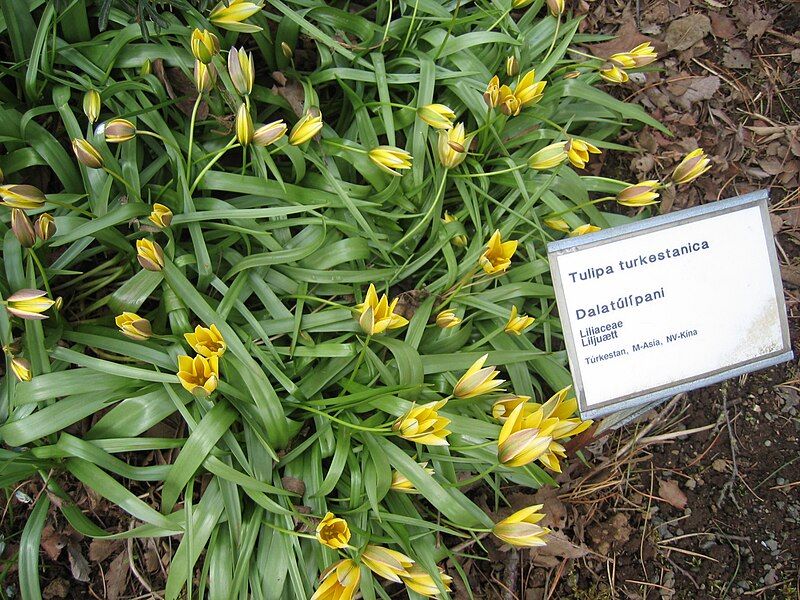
pixel 767 443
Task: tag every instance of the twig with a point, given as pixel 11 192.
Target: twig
pixel 511 574
pixel 727 489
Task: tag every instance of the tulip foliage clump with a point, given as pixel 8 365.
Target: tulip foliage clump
pixel 275 282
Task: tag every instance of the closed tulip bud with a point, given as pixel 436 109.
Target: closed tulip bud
pixel 503 408
pixel 612 73
pixel 206 341
pixel 389 564
pixel 87 154
pixel 146 68
pixel 198 376
pixel 520 3
pixel 307 127
pixel 241 70
pixel 452 146
pixel 21 369
pixel 377 314
pixel 133 326
pixel 117 131
pixel 269 133
pixel 478 380
pixel 45 226
pixel 438 116
pixel 507 102
pixel 578 152
pixel 497 256
pixel 286 50
pixel 512 66
pixel 333 532
pixel 150 255
pixel 690 168
pixel 58 303
pixel 457 240
pixel 529 91
pixel 423 425
pixel 205 45
pixel 517 323
pixel 205 76
pixel 556 7
pixel 230 14
pixel 244 126
pixel 339 581
pixel 447 319
pixel 390 159
pixel 644 54
pixel 23 228
pixel 401 484
pixel 2 177
pixel 492 93
pixel 583 230
pixel 26 197
pixel 548 157
pixel 91 105
pixel 161 216
pixel 424 583
pixel 557 224
pixel 572 75
pixel 29 304
pixel 639 194
pixel 521 529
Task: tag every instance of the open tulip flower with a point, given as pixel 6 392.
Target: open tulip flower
pixel 389 564
pixel 521 529
pixel 29 304
pixel 339 581
pixel 691 167
pixel 424 425
pixel 517 323
pixel 423 583
pixel 199 375
pixel 524 437
pixel 478 380
pixel 377 314
pixel 206 341
pixel 333 532
pixel 497 257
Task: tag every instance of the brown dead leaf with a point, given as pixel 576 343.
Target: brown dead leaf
pixel 558 548
pixel 291 91
pixel 791 275
pixel 52 542
pixel 686 32
pixel 553 507
pixel 100 549
pixel 773 166
pixel 58 588
pixel 735 58
pixel 758 28
pixel 78 565
pixel 671 493
pixel 293 484
pixel 117 576
pixel 700 88
pixel 722 26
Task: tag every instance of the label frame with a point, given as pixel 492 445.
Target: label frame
pixel 652 396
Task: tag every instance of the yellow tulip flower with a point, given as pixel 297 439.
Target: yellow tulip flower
pixel 524 437
pixel 205 76
pixel 339 581
pixel 438 116
pixel 389 564
pixel 333 532
pixel 503 408
pixel 306 128
pixel 401 484
pixel 548 157
pixel 521 529
pixel 87 154
pixel 206 341
pixel 691 167
pixel 150 255
pixel 229 15
pixel 491 95
pixel 390 158
pixel 133 326
pixel 509 104
pixel 269 133
pixel 447 319
pixel 612 73
pixel 423 425
pixel 45 226
pixel 22 228
pixel 578 152
pixel 377 314
pixel 242 70
pixel 244 126
pixel 512 66
pixel 452 146
pixel 583 230
pixel 29 304
pixel 204 44
pixel 117 131
pixel 424 583
pixel 457 240
pixel 557 224
pixel 556 7
pixel 639 194
pixel 497 257
pixel 199 376
pixel 26 197
pixel 478 380
pixel 91 105
pixel 517 323
pixel 161 216
pixel 528 91
pixel 21 369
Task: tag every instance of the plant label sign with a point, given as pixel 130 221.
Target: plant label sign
pixel 669 304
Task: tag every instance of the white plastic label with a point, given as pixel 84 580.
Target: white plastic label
pixel 666 305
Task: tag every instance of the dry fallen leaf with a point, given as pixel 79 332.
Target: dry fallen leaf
pixel 701 88
pixel 758 28
pixel 722 26
pixel 52 542
pixel 78 565
pixel 558 548
pixel 100 549
pixel 686 32
pixel 117 576
pixel 671 493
